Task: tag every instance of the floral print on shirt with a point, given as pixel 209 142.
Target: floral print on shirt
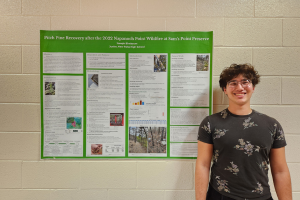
pixel 280 136
pixel 222 185
pixel 263 165
pixel 247 147
pixel 206 127
pixel 224 114
pixel 234 168
pixel 273 133
pixel 247 123
pixel 215 156
pixel 219 133
pixel 238 138
pixel 259 189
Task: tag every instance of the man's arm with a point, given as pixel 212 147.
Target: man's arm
pixel 205 152
pixel 281 174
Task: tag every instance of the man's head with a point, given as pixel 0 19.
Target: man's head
pixel 246 70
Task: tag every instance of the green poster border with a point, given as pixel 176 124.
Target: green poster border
pixel 84 106
pixel 41 96
pixel 126 51
pixel 168 104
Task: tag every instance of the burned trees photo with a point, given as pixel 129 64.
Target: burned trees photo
pixel 157 140
pixel 147 139
pixel 138 139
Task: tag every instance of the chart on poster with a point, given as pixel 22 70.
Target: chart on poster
pixel 123 94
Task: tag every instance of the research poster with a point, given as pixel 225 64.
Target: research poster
pixel 123 94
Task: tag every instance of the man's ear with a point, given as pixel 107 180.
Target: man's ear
pixel 224 90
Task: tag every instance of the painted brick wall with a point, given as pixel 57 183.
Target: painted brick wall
pixel 262 32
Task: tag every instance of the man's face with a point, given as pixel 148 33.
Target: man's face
pixel 238 91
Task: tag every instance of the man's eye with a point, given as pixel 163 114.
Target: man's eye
pixel 245 82
pixel 233 83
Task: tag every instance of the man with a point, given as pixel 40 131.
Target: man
pixel 241 143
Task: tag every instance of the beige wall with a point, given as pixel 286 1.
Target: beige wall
pixel 263 32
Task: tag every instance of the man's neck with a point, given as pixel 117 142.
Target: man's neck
pixel 240 110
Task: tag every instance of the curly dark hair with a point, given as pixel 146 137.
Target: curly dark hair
pixel 247 70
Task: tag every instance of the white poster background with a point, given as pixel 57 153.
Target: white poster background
pixel 183 150
pixel 62 103
pixel 71 63
pixel 187 116
pixel 189 85
pixel 148 96
pixel 183 133
pixel 106 60
pixel 105 113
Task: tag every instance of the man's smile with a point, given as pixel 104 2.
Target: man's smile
pixel 239 94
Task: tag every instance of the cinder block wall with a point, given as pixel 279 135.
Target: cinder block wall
pixel 262 32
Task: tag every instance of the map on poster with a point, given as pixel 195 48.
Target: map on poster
pixel 122 94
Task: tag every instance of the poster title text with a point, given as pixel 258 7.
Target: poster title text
pixel 117 38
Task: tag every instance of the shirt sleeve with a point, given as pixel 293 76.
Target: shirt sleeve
pixel 204 133
pixel 279 137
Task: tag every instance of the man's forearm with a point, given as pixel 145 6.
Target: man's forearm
pixel 283 186
pixel 201 182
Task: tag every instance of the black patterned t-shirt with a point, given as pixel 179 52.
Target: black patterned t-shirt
pixel 241 147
